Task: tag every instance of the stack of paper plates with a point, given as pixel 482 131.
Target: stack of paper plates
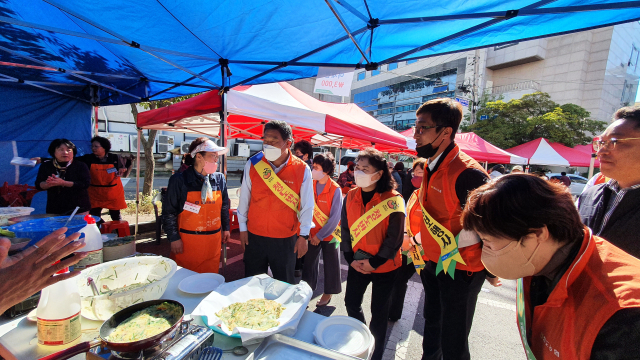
pixel 343 334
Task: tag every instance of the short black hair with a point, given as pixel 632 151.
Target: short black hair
pixel 399 166
pixel 445 112
pixel 59 142
pixel 327 161
pixel 104 142
pixel 631 113
pixel 283 128
pixel 305 147
pixel 499 168
pixel 563 173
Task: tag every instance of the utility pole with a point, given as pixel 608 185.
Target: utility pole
pixel 474 86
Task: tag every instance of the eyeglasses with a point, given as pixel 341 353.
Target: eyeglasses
pixel 421 129
pixel 610 144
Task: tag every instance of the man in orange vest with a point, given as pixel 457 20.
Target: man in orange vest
pixel 578 296
pixel 276 199
pixel 453 273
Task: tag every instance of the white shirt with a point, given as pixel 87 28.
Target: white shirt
pixel 433 163
pixel 307 201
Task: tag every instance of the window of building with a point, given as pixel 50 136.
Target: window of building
pixel 385 111
pixel 633 59
pixel 499 47
pixel 411 107
pixel 361 75
pixel 392 66
pixel 375 72
pixel 385 105
pixel 411 61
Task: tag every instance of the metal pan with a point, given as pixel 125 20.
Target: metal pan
pixel 109 326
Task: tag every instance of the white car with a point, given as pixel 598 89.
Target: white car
pixel 577 182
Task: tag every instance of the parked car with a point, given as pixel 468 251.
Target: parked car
pixel 577 182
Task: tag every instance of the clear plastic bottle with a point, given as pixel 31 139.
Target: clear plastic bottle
pixel 93 245
pixel 58 313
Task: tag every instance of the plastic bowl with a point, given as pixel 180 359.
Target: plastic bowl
pixel 7 213
pixel 39 228
pixel 122 283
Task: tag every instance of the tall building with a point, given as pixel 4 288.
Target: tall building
pixel 596 69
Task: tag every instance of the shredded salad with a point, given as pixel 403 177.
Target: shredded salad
pixel 146 323
pixel 255 314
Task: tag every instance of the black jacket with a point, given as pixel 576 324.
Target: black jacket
pixel 623 227
pixel 63 200
pixel 179 185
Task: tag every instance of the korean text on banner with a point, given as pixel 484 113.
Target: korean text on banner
pixel 334 81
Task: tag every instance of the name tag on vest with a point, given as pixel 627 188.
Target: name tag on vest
pixel 111 170
pixel 190 207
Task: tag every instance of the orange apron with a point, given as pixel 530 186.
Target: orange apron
pixel 106 189
pixel 201 234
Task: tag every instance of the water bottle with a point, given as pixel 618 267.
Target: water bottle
pixel 58 313
pixel 93 245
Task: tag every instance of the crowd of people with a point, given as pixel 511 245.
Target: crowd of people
pixel 456 225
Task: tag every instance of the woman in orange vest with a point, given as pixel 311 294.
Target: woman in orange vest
pixel 196 210
pixel 412 226
pixel 328 207
pixel 578 296
pixel 372 225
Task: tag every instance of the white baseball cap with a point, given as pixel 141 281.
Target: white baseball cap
pixel 209 146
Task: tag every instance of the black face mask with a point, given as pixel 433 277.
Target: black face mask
pixel 427 151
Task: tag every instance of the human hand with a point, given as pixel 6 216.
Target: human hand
pixel 177 247
pixel 314 240
pixel 244 239
pixel 366 266
pixel 357 265
pixel 37 159
pixel 495 281
pixel 225 236
pixel 301 247
pixel 121 171
pixel 55 181
pixel 31 270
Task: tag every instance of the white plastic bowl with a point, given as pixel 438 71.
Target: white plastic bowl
pixel 7 213
pixel 150 273
pixel 343 334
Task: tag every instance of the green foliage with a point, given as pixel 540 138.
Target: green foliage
pixel 146 204
pixel 533 116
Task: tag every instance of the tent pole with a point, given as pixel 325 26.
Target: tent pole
pixel 137 180
pixel 485 166
pixel 223 158
pixel 592 164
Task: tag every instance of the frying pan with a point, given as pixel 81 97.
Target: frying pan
pixel 109 326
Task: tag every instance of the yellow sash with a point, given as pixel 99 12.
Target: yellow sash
pixel 414 255
pixel 412 201
pixel 322 219
pixel 374 216
pixel 281 190
pixel 449 253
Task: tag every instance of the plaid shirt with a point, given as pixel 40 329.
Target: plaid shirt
pixel 613 203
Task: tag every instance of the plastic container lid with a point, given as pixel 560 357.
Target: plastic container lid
pixel 89 219
pixel 343 334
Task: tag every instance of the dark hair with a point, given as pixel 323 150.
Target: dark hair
pixel 512 206
pixel 305 147
pixel 327 161
pixel 351 166
pixel 377 160
pixel 499 168
pixel 418 162
pixel 55 144
pixel 563 173
pixel 283 128
pixel 445 112
pixel 188 159
pixel 104 142
pixel 399 166
pixel 631 113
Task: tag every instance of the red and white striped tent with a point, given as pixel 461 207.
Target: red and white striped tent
pixel 250 107
pixel 542 152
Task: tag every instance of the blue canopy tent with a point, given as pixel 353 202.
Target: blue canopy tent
pixel 117 51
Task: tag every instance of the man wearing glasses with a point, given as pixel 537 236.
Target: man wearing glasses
pixel 612 209
pixel 453 273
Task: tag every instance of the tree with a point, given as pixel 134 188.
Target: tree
pixel 147 143
pixel 531 117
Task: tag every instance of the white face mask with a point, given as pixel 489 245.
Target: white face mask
pixel 364 180
pixel 272 153
pixel 317 174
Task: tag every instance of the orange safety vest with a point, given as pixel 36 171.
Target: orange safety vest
pixel 413 220
pixel 105 190
pixel 268 216
pixel 601 280
pixel 372 241
pixel 201 234
pixel 324 201
pixel 441 202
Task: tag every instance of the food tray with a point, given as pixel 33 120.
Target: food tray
pixel 283 347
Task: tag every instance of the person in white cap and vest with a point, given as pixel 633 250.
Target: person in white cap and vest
pixel 196 211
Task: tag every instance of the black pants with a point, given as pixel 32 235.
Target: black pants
pixel 357 284
pixel 448 312
pixel 405 272
pixel 264 252
pixel 331 259
pixel 115 214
